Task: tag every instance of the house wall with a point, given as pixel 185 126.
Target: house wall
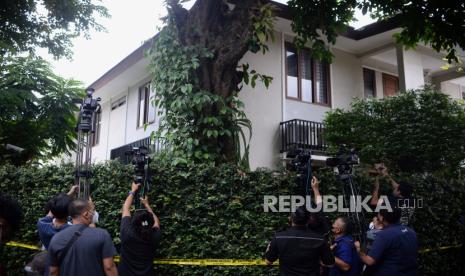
pixel 263 106
pixel 119 126
pixel 452 89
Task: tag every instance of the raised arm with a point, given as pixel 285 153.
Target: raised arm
pixel 73 191
pixel 129 199
pixel 145 201
pixel 316 190
pixel 384 172
pixel 375 192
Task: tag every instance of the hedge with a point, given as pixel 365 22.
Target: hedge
pixel 216 211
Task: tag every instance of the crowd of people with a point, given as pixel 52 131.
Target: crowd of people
pixel 391 247
pixel 73 244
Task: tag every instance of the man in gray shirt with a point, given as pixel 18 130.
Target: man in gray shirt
pixel 92 251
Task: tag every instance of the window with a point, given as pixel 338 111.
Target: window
pixel 120 102
pixel 307 79
pixel 95 137
pixel 146 106
pixel 369 82
pixel 390 85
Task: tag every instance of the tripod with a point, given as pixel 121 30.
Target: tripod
pixel 350 192
pixel 85 129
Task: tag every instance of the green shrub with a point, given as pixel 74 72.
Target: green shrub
pixel 217 212
pixel 415 131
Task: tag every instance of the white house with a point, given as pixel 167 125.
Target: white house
pixel 367 63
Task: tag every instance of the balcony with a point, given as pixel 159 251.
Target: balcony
pixel 301 134
pixel 120 152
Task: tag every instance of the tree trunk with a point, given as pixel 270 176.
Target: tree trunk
pixel 224 29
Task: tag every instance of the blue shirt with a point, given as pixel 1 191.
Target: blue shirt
pixel 47 230
pixel 395 251
pixel 345 250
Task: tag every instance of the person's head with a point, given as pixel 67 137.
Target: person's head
pixel 390 216
pixel 377 224
pixel 403 190
pixel 81 211
pixel 142 223
pixel 300 217
pixel 59 206
pixel 10 217
pixel 342 226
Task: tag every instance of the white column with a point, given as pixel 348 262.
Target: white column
pixel 410 69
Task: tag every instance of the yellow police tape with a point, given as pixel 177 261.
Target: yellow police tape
pixel 215 262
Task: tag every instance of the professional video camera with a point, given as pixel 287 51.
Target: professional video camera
pixel 300 162
pixel 89 106
pixel 141 161
pixel 343 161
pixel 300 159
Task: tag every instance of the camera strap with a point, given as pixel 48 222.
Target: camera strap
pixel 70 243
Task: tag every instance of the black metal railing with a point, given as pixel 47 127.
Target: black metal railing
pixel 154 147
pixel 301 134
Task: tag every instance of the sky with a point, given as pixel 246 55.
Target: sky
pixel 131 23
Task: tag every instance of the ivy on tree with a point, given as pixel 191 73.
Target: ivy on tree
pixel 197 70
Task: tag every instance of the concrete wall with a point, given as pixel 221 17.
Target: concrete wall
pixel 264 106
pixel 411 69
pixel 452 89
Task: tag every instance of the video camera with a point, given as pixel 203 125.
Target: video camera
pixel 300 159
pixel 344 161
pixel 89 106
pixel 141 161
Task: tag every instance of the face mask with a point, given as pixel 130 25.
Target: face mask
pixel 95 218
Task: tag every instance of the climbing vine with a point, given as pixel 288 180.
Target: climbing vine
pixel 200 124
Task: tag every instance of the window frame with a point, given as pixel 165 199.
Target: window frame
pixel 146 90
pixel 375 92
pixel 327 74
pixel 95 137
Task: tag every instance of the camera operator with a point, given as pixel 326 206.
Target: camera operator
pixel 394 251
pixel 140 236
pixel 298 249
pixel 401 194
pixel 318 222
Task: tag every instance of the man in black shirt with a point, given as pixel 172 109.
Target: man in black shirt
pixel 140 237
pixel 401 195
pixel 298 249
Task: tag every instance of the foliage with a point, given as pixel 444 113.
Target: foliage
pixel 26 25
pixel 209 211
pixel 416 131
pixel 435 24
pixel 37 110
pixel 199 122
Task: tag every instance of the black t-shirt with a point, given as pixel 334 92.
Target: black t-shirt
pixel 299 252
pixel 136 254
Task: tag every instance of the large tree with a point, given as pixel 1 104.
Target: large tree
pixel 195 60
pixel 51 24
pixel 37 110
